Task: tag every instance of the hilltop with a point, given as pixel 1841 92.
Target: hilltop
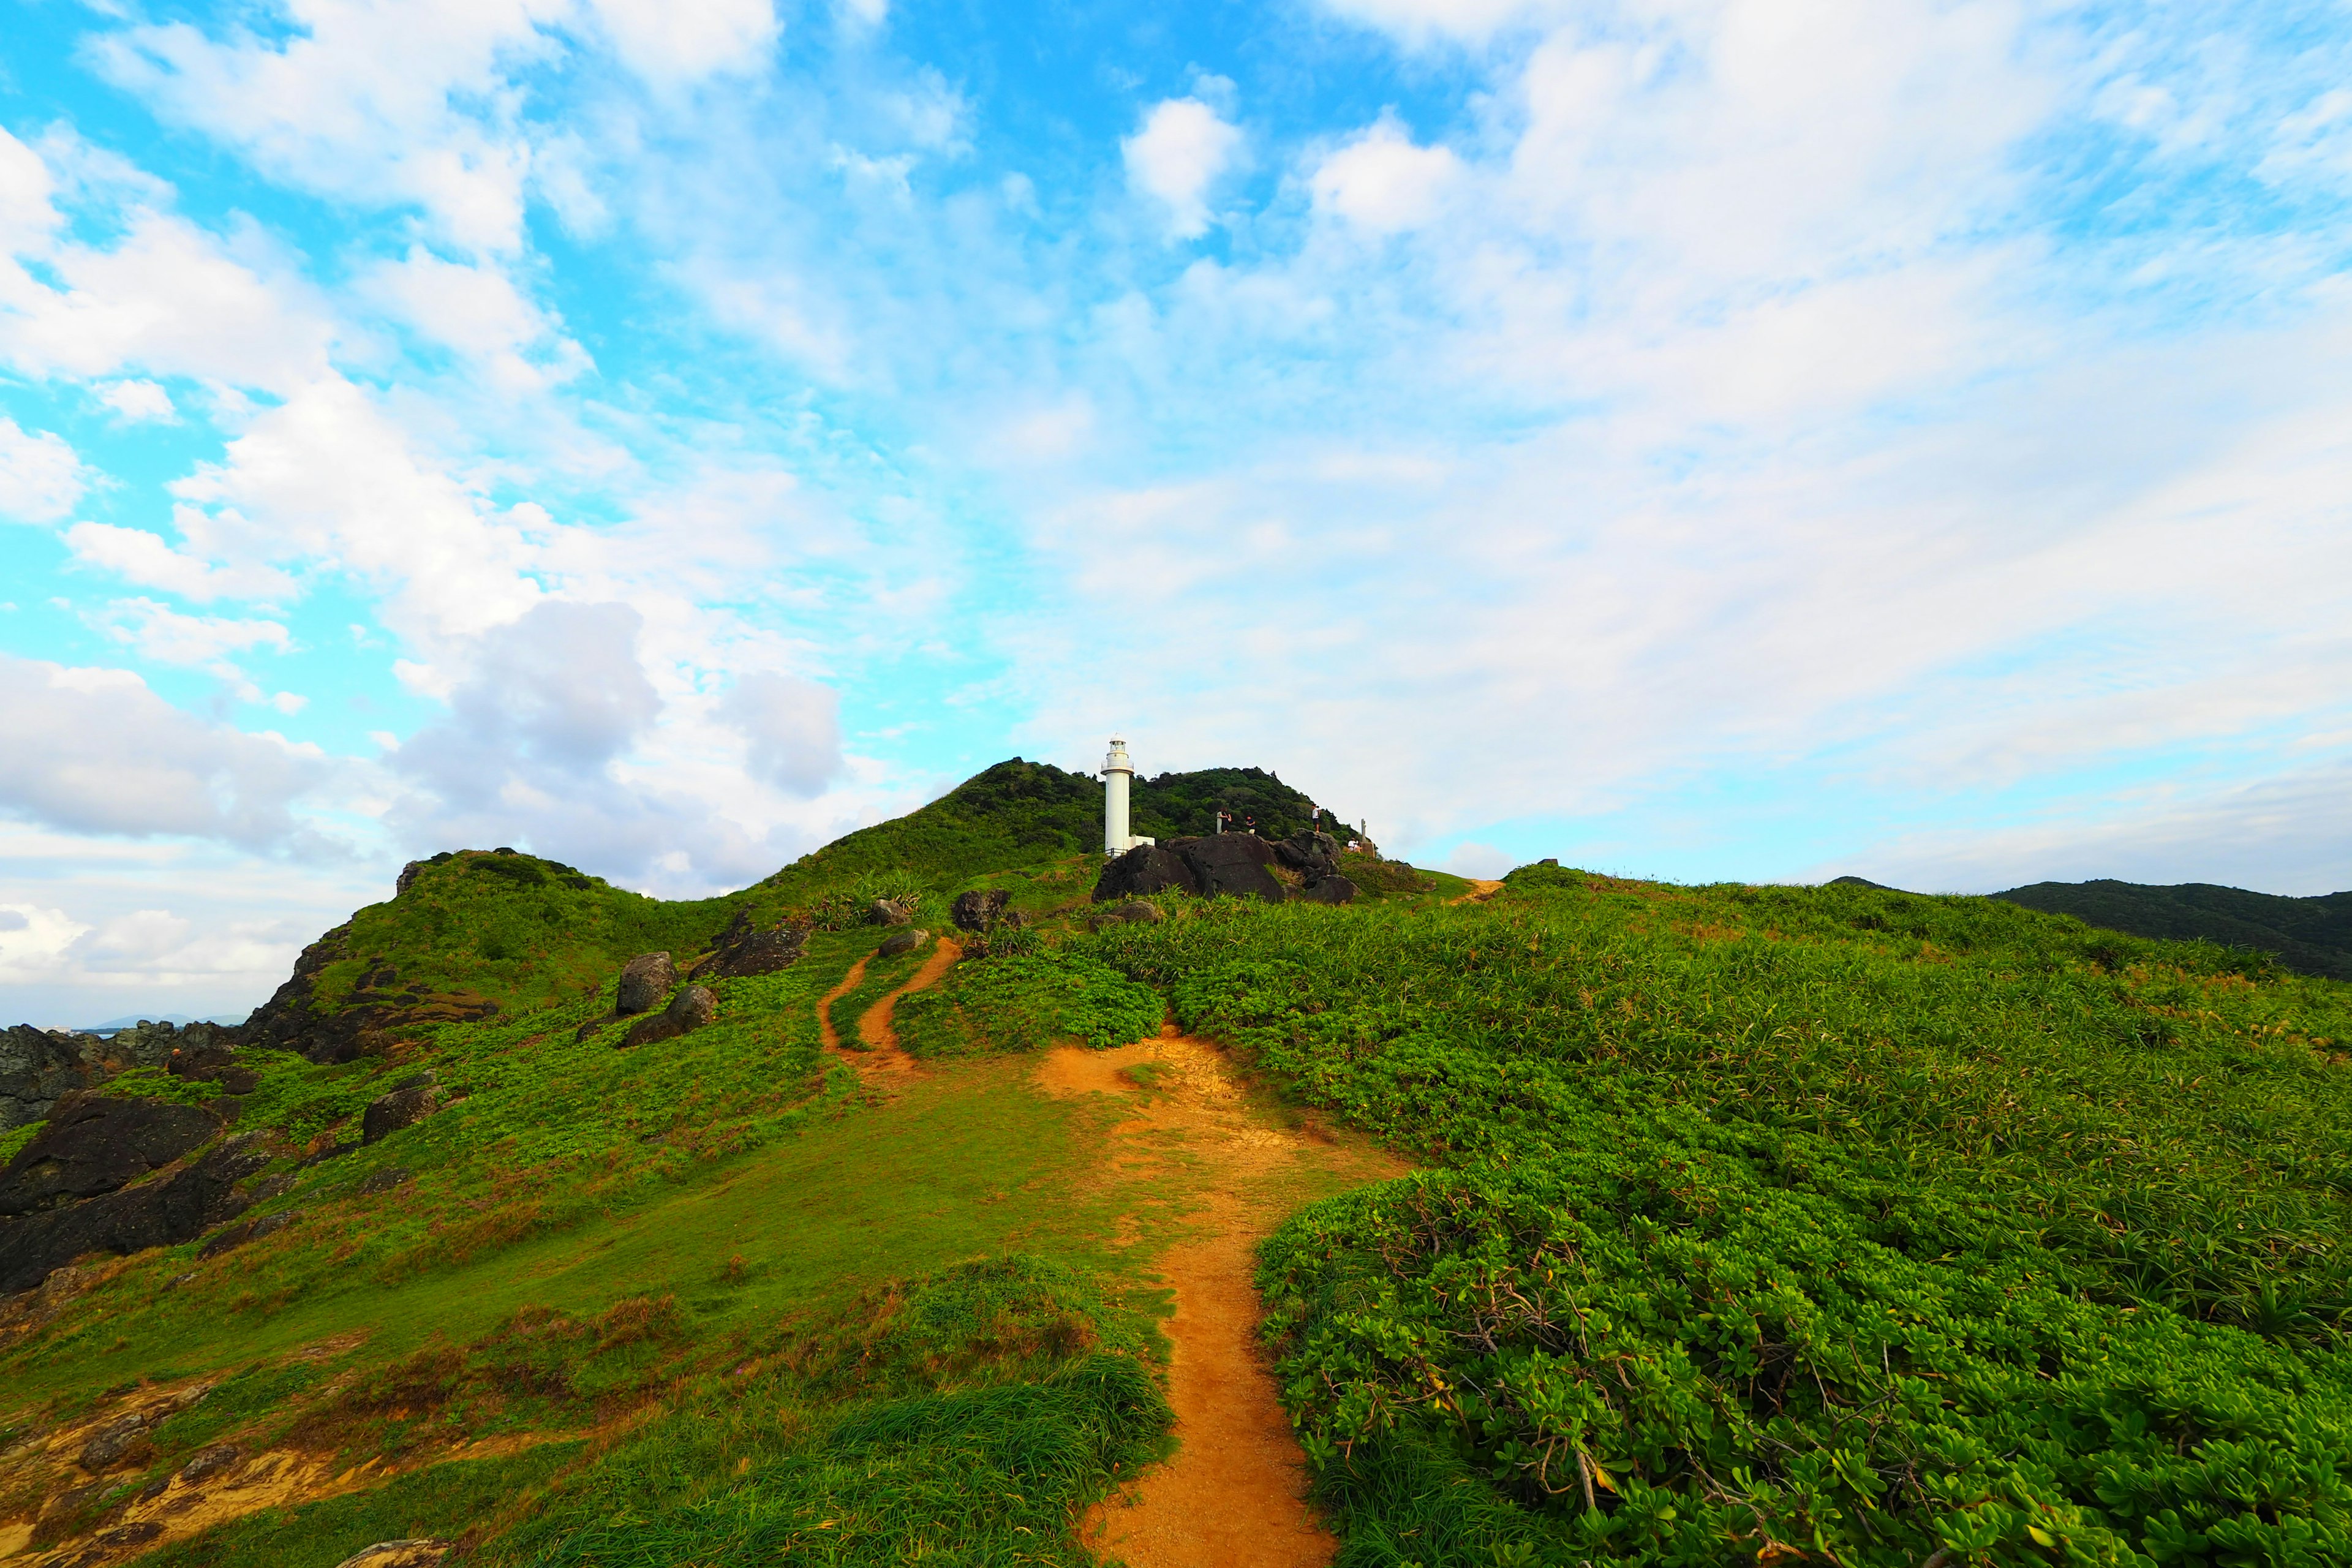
pixel 2314 934
pixel 1590 1221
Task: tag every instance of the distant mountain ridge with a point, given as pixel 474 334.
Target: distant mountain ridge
pixel 2313 935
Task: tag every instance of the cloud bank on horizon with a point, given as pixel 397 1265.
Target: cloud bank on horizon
pixel 1709 438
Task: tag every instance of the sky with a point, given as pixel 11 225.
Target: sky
pixel 1710 439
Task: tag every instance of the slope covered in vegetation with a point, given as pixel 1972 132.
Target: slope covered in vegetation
pixel 2313 935
pixel 1753 1225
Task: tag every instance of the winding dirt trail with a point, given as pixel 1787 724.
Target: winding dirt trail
pixel 1234 1494
pixel 881 1053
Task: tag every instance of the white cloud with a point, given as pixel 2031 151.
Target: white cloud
pixel 137 400
pixel 33 941
pixel 169 298
pixel 1177 157
pixel 1382 182
pixel 161 634
pixel 95 751
pixel 328 476
pixel 41 476
pixel 671 42
pixel 1424 21
pixel 476 310
pixel 793 729
pixel 1482 862
pixel 149 561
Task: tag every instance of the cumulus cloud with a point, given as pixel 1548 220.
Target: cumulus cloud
pixel 136 401
pixel 669 43
pixel 1177 157
pixel 96 751
pixel 476 310
pixel 549 704
pixel 161 634
pixel 149 561
pixel 793 729
pixel 1382 182
pixel 41 476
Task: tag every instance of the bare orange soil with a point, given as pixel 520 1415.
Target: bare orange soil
pixel 873 1023
pixel 1234 1495
pixel 1480 890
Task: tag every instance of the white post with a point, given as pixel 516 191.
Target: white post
pixel 1117 773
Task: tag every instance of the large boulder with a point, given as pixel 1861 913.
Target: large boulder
pixel 407 1102
pixel 1331 890
pixel 889 913
pixel 1146 869
pixel 1236 863
pixel 38 1068
pixel 158 1213
pixel 744 950
pixel 979 908
pixel 688 1010
pixel 645 979
pixel 91 1145
pixel 901 942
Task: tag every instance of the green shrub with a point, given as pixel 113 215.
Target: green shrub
pixel 1025 1002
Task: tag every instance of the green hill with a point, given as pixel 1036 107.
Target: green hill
pixel 2313 935
pixel 1748 1226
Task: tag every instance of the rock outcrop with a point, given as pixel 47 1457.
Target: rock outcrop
pixel 405 1104
pixel 901 942
pixel 37 1068
pixel 744 950
pixel 176 1208
pixel 90 1145
pixel 980 910
pixel 1242 865
pixel 888 913
pixel 645 979
pixel 358 1025
pixel 688 1010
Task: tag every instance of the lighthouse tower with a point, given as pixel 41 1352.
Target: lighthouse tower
pixel 1118 772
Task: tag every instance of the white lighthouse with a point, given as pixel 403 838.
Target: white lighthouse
pixel 1117 771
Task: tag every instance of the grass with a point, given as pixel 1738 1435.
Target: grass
pixel 1822 1223
pixel 1760 1226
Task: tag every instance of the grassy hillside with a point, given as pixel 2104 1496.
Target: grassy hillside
pixel 1021 814
pixel 1802 1224
pixel 2313 935
pixel 1754 1225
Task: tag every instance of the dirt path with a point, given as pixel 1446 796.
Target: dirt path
pixel 881 1052
pixel 873 1023
pixel 1234 1494
pixel 1480 891
pixel 824 1007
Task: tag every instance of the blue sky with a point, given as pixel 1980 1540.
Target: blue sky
pixel 1738 439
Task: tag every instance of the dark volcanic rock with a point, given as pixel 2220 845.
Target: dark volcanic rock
pixel 1234 863
pixel 1331 890
pixel 1240 864
pixel 92 1145
pixel 385 1181
pixel 902 941
pixel 408 1103
pixel 645 979
pixel 979 908
pixel 741 949
pixel 358 1028
pixel 38 1069
pixel 1145 868
pixel 159 1213
pixel 688 1010
pixel 206 1463
pixel 1313 855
